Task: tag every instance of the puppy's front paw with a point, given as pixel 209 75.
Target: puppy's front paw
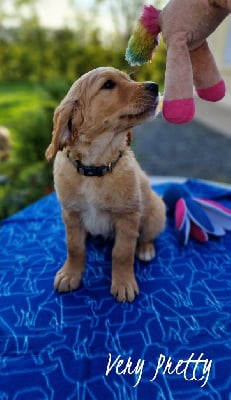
pixel 66 280
pixel 125 291
pixel 145 251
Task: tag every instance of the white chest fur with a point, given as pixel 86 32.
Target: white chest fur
pixel 97 222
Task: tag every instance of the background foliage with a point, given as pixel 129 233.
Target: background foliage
pixel 37 66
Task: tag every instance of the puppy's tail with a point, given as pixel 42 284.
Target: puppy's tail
pixel 145 38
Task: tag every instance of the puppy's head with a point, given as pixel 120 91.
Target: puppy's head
pixel 102 100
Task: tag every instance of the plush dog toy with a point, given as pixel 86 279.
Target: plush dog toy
pixel 196 217
pixel 185 25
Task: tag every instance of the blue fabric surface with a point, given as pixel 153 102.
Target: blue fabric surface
pixel 71 346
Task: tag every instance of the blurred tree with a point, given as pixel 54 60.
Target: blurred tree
pixel 124 14
pixel 17 10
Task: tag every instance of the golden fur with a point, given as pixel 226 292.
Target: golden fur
pixel 4 143
pixel 94 122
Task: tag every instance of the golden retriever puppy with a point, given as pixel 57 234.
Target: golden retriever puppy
pixel 101 188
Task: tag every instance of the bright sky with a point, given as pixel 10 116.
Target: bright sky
pixel 53 13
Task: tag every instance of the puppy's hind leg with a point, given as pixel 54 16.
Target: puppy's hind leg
pixel 145 251
pixel 152 224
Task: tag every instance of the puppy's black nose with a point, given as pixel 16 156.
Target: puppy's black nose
pixel 152 87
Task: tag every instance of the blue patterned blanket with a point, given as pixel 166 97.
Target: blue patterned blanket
pixel 173 342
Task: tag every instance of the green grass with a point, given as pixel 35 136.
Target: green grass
pixel 20 99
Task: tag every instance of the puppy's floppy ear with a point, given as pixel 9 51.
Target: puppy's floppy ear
pixel 63 133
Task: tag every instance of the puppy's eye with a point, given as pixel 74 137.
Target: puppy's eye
pixel 109 84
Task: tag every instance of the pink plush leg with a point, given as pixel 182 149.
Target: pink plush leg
pixel 213 93
pixel 178 104
pixel 178 111
pixel 207 78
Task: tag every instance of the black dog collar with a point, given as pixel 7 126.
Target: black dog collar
pixel 91 170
